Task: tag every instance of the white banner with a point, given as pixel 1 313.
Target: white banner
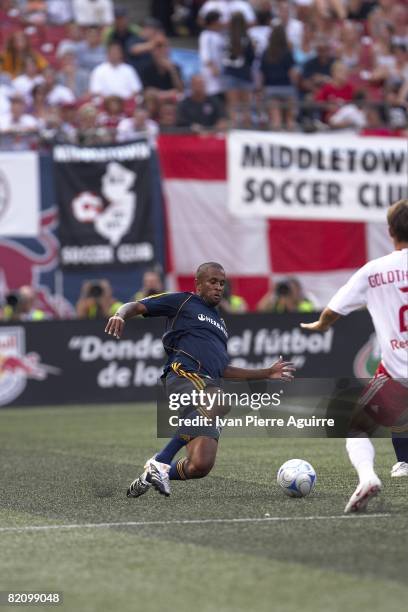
pixel 19 194
pixel 331 176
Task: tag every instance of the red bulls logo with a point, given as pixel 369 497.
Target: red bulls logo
pixel 16 366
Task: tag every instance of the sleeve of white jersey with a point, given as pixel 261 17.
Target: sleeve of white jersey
pixel 353 294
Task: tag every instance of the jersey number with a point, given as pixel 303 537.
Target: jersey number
pixel 403 318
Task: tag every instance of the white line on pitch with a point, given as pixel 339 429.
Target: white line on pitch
pixel 265 519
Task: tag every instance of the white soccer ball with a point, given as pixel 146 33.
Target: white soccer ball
pixel 297 478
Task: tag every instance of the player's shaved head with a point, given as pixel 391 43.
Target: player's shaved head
pixel 397 217
pixel 204 268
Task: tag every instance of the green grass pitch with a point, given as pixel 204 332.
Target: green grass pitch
pixel 71 466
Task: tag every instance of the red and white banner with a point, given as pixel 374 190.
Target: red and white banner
pixel 253 251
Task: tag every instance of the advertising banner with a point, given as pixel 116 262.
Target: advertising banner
pixel 324 177
pixel 63 362
pixel 19 194
pixel 104 196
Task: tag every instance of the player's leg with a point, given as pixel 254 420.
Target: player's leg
pixel 156 469
pixel 201 449
pixel 389 408
pixel 400 444
pixel 360 449
pixel 399 431
pixel 361 453
pixel 159 470
pixel 201 454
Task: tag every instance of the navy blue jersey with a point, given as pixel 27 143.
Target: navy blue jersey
pixel 195 333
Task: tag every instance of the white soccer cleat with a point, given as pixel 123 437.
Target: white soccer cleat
pixel 399 470
pixel 362 495
pixel 159 476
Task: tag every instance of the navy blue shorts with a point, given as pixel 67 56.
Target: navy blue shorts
pixel 179 381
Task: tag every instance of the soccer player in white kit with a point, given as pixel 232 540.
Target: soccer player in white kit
pixel 382 286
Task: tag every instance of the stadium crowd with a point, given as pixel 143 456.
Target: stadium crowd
pixel 80 71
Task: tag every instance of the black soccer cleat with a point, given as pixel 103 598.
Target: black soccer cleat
pixel 138 487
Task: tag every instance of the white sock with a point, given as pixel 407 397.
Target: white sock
pixel 361 453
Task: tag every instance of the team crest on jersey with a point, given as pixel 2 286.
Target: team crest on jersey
pixel 16 366
pixel 367 359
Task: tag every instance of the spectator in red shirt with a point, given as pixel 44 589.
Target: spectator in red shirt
pixel 338 90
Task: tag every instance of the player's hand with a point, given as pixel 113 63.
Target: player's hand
pixel 315 326
pixel 283 370
pixel 115 326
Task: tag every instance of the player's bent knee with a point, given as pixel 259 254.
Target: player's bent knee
pixel 199 468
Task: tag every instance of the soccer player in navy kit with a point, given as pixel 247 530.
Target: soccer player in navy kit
pixel 195 342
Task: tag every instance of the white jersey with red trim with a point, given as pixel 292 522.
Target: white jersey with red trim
pixel 382 286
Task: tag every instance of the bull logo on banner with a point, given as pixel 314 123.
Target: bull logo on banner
pixel 16 366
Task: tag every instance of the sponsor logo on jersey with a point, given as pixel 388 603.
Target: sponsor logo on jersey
pixel 207 319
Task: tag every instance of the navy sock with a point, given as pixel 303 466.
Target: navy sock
pixel 171 449
pixel 177 470
pixel 400 447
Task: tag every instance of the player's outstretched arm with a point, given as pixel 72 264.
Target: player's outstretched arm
pixel 282 370
pixel 116 323
pixel 327 318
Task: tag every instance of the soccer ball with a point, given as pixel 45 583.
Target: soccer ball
pixel 296 477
